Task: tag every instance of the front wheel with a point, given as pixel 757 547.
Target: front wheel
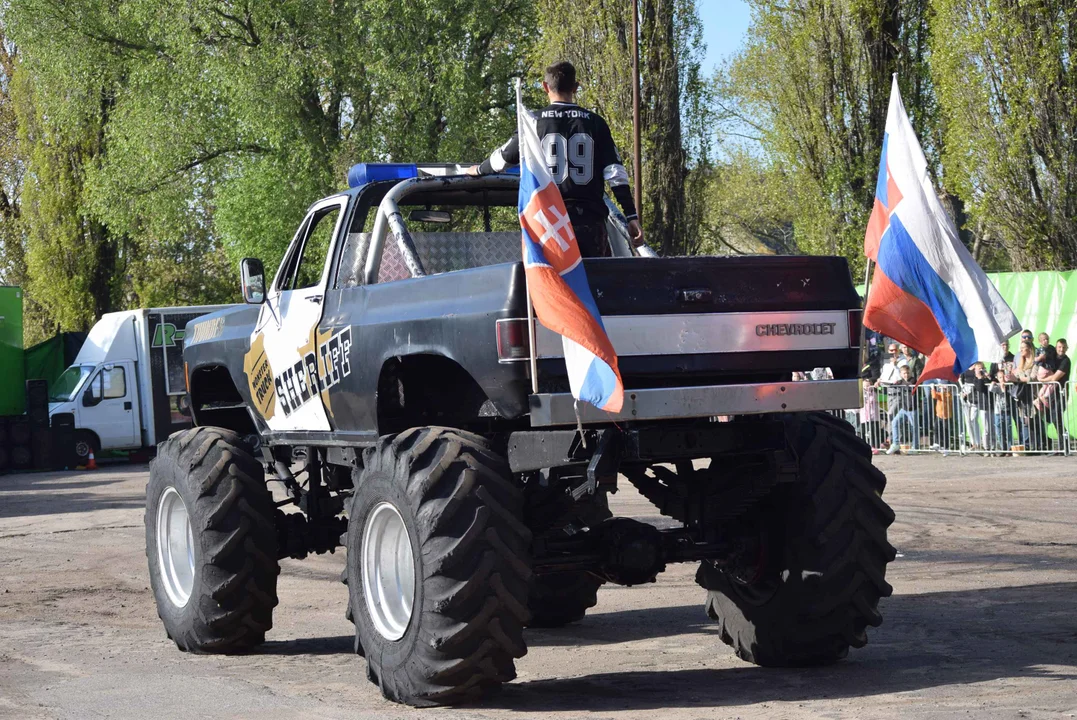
pixel 85 443
pixel 438 567
pixel 211 542
pixel 813 563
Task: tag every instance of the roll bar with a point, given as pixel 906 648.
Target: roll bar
pixel 389 216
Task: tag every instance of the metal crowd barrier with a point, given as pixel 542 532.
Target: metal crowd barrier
pixel 1039 418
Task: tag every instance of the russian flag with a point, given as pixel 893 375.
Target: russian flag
pixel 927 291
pixel 556 279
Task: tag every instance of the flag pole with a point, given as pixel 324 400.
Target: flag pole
pixel 637 155
pixel 531 339
pixel 527 284
pixel 863 311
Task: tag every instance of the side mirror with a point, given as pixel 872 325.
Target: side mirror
pixel 252 279
pixel 89 399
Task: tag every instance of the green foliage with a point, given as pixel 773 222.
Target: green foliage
pixel 225 120
pixel 810 88
pixel 12 251
pixel 748 209
pixel 71 262
pixel 1006 74
pixel 146 146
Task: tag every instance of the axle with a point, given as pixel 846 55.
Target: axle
pixel 626 551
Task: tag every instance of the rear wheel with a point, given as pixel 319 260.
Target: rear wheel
pixel 211 542
pixel 438 567
pixel 811 570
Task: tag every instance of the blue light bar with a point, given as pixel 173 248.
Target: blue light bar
pixel 364 173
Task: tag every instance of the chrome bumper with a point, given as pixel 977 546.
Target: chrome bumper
pixel 700 402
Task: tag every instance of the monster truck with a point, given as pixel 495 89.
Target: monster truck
pixel 388 391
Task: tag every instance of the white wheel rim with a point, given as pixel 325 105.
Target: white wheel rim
pixel 175 547
pixel 388 571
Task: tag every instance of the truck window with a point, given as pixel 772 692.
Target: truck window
pixel 67 385
pixel 109 384
pixel 466 236
pixel 316 248
pixel 114 382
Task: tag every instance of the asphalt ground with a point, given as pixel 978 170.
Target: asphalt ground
pixel 983 621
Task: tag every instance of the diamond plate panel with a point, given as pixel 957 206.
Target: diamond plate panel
pixel 439 253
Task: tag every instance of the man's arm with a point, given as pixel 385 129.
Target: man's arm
pixel 505 156
pixel 614 173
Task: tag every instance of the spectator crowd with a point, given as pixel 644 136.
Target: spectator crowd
pixel 1017 405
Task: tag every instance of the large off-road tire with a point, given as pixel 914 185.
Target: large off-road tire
pixel 558 599
pixel 810 584
pixel 438 567
pixel 211 542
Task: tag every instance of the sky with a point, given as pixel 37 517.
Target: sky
pixel 724 25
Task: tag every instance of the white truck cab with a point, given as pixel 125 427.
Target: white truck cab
pixel 126 389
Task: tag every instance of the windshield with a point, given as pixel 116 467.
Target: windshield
pixel 67 385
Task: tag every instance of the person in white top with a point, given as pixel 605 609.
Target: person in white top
pixel 891 370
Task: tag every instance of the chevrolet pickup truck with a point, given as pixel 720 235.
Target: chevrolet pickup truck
pixel 388 390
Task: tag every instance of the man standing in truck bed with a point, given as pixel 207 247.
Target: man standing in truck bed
pixel 580 153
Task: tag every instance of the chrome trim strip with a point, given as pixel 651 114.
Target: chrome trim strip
pixel 711 333
pixel 702 402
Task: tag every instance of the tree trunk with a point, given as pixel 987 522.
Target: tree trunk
pixel 883 36
pixel 664 159
pixel 105 281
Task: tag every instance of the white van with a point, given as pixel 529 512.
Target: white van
pixel 126 389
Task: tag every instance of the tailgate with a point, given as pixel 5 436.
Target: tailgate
pixel 717 332
pixel 663 286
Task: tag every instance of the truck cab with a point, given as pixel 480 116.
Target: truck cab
pixel 126 389
pixel 100 390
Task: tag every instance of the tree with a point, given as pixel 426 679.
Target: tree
pixel 74 268
pixel 811 88
pixel 12 169
pixel 1006 74
pixel 748 210
pixel 229 117
pixel 665 169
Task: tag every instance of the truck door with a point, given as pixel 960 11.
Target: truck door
pixel 109 406
pixel 286 335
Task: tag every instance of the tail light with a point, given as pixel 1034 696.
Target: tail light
pixel 856 321
pixel 512 340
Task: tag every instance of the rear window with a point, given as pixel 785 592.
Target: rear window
pixel 446 237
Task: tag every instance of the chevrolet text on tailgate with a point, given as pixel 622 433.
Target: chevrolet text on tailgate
pixel 387 391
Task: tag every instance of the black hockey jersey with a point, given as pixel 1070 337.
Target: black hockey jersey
pixel 580 155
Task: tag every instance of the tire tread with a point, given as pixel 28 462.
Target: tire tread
pixel 233 520
pixel 475 554
pixel 840 520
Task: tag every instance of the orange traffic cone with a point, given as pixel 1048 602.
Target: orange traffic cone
pixel 91 464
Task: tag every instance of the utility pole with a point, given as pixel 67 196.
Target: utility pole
pixel 637 155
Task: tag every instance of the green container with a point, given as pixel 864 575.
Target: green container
pixel 12 372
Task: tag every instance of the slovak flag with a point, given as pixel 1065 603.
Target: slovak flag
pixel 927 291
pixel 556 279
